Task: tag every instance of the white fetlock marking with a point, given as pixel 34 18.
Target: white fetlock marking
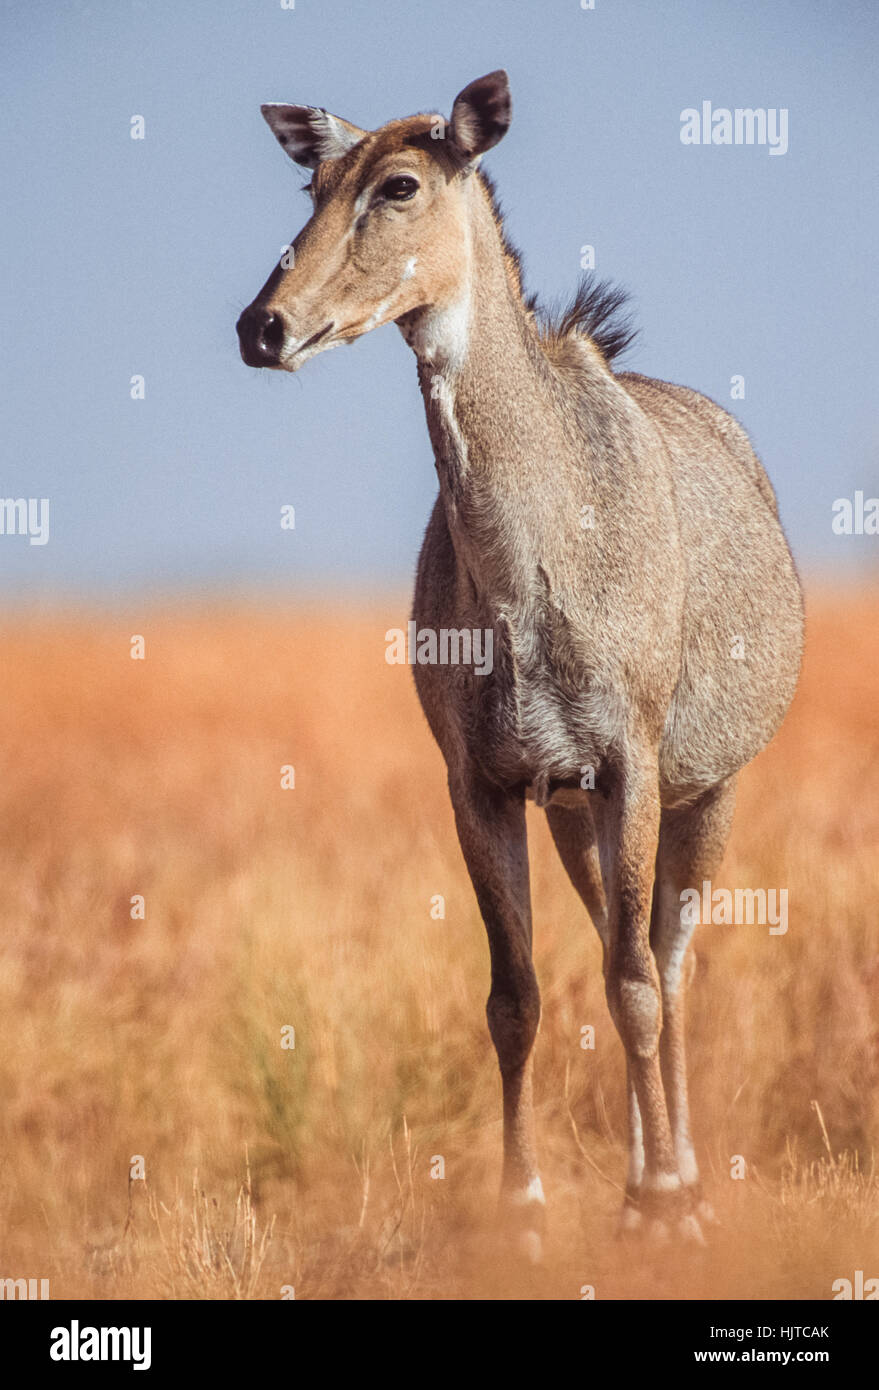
pixel 687 1166
pixel 636 1145
pixel 522 1196
pixel 662 1182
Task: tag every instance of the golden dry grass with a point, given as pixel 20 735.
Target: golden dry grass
pixel 310 907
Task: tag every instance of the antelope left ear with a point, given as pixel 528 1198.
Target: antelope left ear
pixel 309 134
pixel 481 114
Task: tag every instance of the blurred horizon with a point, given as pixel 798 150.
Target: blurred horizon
pixel 134 257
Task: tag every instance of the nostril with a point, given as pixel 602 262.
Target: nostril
pixel 262 333
pixel 272 335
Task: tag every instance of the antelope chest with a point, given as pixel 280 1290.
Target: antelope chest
pixel 532 721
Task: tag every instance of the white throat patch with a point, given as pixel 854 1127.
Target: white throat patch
pixel 440 337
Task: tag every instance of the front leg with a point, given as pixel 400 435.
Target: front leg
pixel 491 829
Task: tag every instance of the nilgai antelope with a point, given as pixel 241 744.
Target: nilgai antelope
pixel 620 540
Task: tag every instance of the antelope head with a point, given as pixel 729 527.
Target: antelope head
pixel 388 232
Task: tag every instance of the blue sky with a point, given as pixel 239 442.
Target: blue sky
pixel 131 257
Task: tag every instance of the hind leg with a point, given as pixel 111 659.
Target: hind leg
pixel 573 830
pixel 692 841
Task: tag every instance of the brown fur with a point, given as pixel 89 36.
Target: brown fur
pixel 616 645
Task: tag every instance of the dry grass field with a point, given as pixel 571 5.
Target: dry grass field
pixel 310 1167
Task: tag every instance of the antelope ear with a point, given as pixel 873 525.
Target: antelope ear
pixel 309 134
pixel 481 114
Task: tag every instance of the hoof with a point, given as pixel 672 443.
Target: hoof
pixel 705 1213
pixel 530 1247
pixel 523 1216
pixel 689 1230
pixel 630 1223
pixel 663 1214
pixel 657 1231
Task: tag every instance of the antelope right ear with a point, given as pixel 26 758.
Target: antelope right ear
pixel 481 114
pixel 309 134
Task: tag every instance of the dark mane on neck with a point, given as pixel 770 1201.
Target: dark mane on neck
pixel 598 310
pixel 512 256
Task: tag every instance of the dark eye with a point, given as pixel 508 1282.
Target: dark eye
pixel 399 188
